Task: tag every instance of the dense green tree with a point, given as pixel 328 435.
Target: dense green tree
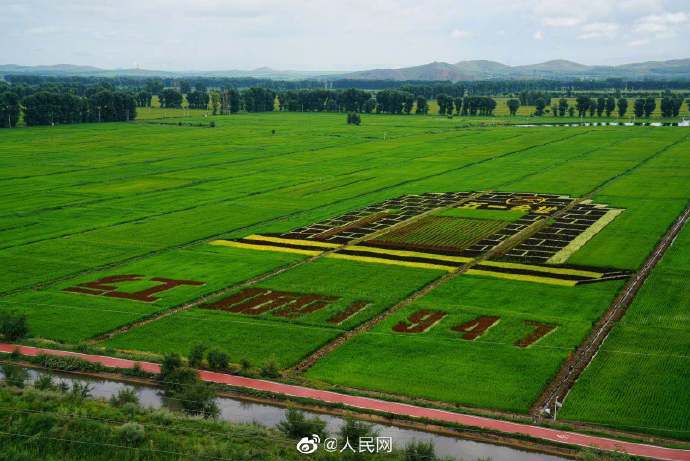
pixel 610 106
pixel 422 105
pixel 369 106
pixel 13 325
pixel 513 106
pixel 408 102
pixel 9 109
pixel 296 425
pixel 649 106
pixel 443 101
pixel 622 107
pixel 45 108
pixel 170 98
pixel 638 107
pixel 185 87
pixel 217 359
pixel 670 106
pixel 144 98
pixel 197 100
pixel 582 105
pixel 154 86
pixel 592 107
pixel 562 107
pixel 539 106
pixel 234 101
pixel 258 100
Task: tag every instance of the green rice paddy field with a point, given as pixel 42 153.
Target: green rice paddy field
pixel 84 202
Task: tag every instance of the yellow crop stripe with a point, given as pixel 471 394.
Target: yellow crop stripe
pixel 312 243
pixel 249 246
pixel 523 278
pixel 414 254
pixel 392 262
pixel 551 270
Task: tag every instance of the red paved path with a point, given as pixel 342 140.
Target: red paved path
pixel 571 438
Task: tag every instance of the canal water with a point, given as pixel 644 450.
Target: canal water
pixel 240 411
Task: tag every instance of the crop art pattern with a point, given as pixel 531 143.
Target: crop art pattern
pixel 449 230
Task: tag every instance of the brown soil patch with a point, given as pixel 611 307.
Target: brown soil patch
pixel 476 327
pixel 419 322
pixel 540 330
pixel 355 307
pixel 255 301
pixel 108 286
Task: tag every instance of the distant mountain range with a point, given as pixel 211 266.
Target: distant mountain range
pixel 435 71
pixel 558 69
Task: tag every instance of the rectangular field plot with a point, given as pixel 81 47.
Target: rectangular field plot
pixel 85 307
pixel 473 341
pixel 441 233
pixel 640 378
pixel 287 316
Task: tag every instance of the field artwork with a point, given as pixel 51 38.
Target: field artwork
pixel 468 279
pixel 448 231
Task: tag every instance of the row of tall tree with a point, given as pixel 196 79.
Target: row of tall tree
pixel 468 105
pixel 46 108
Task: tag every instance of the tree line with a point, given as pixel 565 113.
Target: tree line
pixel 468 105
pixel 45 108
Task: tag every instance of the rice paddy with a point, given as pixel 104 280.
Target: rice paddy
pixel 272 235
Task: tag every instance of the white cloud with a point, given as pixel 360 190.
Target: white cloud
pixel 538 35
pixel 561 21
pixel 599 30
pixel 459 33
pixel 637 43
pixel 663 24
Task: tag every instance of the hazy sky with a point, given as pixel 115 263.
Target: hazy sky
pixel 338 34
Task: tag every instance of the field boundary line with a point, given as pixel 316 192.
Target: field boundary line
pixel 557 390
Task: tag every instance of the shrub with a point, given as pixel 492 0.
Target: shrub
pixel 67 363
pixel 171 362
pixel 198 399
pixel 45 383
pixel 124 396
pixel 270 369
pixel 245 364
pixel 296 425
pixel 80 391
pixel 217 360
pixel 353 118
pixel 420 451
pixel 196 355
pixel 14 375
pixel 178 379
pixel 13 325
pixel 132 433
pixel 354 430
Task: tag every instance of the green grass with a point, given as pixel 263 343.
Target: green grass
pixel 85 201
pixel 496 215
pixel 639 379
pixel 259 338
pixel 487 372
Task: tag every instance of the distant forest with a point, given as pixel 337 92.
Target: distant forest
pixel 49 100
